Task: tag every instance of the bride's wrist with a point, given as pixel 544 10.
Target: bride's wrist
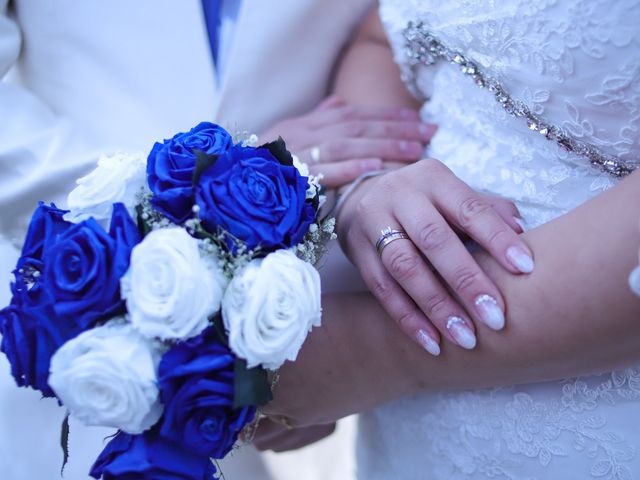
pixel 348 193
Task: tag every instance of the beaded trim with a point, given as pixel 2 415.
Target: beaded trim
pixel 422 48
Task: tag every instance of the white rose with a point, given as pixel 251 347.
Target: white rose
pixel 170 289
pixel 270 307
pixel 117 178
pixel 107 377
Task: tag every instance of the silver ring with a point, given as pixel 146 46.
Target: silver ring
pixel 314 153
pixel 389 235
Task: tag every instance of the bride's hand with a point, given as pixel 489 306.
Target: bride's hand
pixel 343 141
pixel 428 202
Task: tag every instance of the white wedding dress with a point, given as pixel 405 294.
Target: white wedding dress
pixel 575 64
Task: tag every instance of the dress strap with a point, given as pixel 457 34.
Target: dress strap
pixel 423 48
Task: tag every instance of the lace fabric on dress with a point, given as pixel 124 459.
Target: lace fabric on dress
pixel 423 48
pixel 575 63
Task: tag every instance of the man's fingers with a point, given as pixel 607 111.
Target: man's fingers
pixel 332 101
pixel 389 129
pixel 342 113
pixel 300 438
pixel 396 302
pixel 337 149
pixel 270 436
pixel 336 175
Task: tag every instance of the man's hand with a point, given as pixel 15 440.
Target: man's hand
pixel 410 276
pixel 343 141
pixel 273 435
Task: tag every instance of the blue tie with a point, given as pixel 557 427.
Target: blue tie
pixel 211 10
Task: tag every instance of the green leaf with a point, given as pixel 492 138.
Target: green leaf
pixel 203 161
pixel 251 385
pixel 64 442
pixel 143 225
pixel 279 150
pixel 218 324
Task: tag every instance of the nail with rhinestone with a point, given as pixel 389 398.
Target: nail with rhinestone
pixel 461 333
pixel 427 342
pixel 490 312
pixel 520 259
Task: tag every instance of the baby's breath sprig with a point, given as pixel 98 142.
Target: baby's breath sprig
pixel 315 242
pixel 148 217
pixel 216 244
pixel 243 137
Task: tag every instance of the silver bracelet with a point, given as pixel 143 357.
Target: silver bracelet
pixel 335 211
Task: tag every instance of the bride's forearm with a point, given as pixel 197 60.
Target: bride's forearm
pixel 574 315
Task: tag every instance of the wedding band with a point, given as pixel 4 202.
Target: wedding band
pixel 387 236
pixel 314 153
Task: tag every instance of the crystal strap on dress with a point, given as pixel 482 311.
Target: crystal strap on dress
pixel 422 48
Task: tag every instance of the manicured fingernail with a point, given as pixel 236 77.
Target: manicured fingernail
pixel 490 311
pixel 371 164
pixel 520 259
pixel 461 333
pixel 428 343
pixel 409 147
pixel 427 129
pixel 408 113
pixel 634 280
pixel 520 222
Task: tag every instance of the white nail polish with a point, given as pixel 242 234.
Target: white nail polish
pixel 428 343
pixel 490 311
pixel 520 259
pixel 461 333
pixel 634 280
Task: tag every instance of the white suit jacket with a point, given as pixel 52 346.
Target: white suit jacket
pixel 91 76
pixel 94 76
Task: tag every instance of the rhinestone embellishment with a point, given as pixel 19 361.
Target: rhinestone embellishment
pixel 422 48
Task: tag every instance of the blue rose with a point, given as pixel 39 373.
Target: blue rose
pixel 29 340
pixel 84 266
pixel 45 227
pixel 171 165
pixel 248 193
pixel 46 224
pixel 67 280
pixel 150 457
pixel 196 379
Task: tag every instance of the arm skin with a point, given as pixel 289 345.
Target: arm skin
pixel 575 314
pixel 367 74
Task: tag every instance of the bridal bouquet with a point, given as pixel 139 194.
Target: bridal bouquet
pixel 159 300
